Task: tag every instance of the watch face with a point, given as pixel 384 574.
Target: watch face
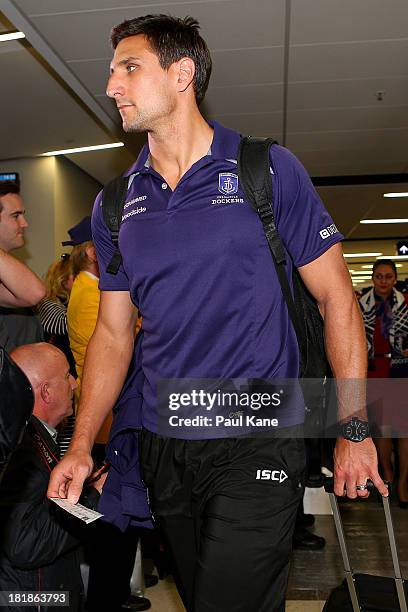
pixel 356 430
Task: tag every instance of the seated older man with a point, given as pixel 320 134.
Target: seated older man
pixel 40 542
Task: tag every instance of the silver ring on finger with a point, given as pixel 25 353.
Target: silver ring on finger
pixel 361 487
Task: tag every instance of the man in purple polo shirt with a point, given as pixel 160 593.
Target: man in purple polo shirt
pixel 197 266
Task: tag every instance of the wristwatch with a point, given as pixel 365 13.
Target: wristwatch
pixel 355 430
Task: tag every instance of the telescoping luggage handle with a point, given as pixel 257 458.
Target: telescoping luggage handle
pixel 399 582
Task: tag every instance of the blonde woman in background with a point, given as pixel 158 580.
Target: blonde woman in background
pixel 52 310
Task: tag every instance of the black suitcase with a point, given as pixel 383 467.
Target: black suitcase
pixel 363 592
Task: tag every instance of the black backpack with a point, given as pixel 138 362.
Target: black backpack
pixel 254 173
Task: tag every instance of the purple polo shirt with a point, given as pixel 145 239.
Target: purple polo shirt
pixel 198 267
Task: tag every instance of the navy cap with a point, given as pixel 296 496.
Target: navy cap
pixel 81 232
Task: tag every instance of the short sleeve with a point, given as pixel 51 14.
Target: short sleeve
pixel 304 225
pixel 104 251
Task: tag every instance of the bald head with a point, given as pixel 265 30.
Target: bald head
pixel 37 361
pixel 47 369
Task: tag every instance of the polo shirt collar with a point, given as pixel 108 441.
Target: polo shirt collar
pixel 225 142
pixel 224 146
pixel 51 430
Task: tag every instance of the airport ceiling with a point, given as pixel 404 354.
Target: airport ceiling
pixel 328 79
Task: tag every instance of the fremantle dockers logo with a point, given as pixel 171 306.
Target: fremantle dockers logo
pixel 227 183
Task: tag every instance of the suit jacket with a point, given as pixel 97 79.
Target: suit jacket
pixel 39 548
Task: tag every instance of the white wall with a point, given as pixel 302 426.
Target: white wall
pixel 57 194
pixel 74 195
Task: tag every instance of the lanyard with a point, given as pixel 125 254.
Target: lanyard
pixel 44 449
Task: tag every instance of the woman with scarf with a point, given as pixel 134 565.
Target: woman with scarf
pixel 385 314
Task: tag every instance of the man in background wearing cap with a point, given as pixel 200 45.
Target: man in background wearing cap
pixel 19 286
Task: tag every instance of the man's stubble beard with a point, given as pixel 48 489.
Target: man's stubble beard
pixel 136 126
pixel 149 122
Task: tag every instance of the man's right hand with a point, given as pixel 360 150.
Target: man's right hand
pixel 68 477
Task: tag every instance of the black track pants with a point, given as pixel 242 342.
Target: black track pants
pixel 227 509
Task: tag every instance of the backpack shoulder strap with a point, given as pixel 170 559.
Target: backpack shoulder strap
pixel 255 175
pixel 113 200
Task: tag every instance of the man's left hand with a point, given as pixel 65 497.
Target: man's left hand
pixel 354 464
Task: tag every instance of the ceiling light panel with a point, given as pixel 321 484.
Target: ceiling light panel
pixel 362 254
pixel 381 221
pixel 11 36
pixel 111 145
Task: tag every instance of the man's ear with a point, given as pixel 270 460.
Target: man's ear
pixel 186 72
pixel 45 393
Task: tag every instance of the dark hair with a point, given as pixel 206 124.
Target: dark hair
pixel 385 262
pixel 171 39
pixel 6 189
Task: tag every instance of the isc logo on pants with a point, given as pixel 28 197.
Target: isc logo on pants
pixel 276 475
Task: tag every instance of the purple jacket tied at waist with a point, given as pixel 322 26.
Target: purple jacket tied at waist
pixel 124 498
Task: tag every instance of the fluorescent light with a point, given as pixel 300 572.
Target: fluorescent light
pixel 11 36
pixel 371 221
pixel 401 194
pixel 363 272
pixel 393 257
pixel 362 254
pixel 111 145
pixel 361 277
pixel 371 267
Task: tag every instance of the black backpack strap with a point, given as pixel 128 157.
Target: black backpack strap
pixel 113 200
pixel 255 175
